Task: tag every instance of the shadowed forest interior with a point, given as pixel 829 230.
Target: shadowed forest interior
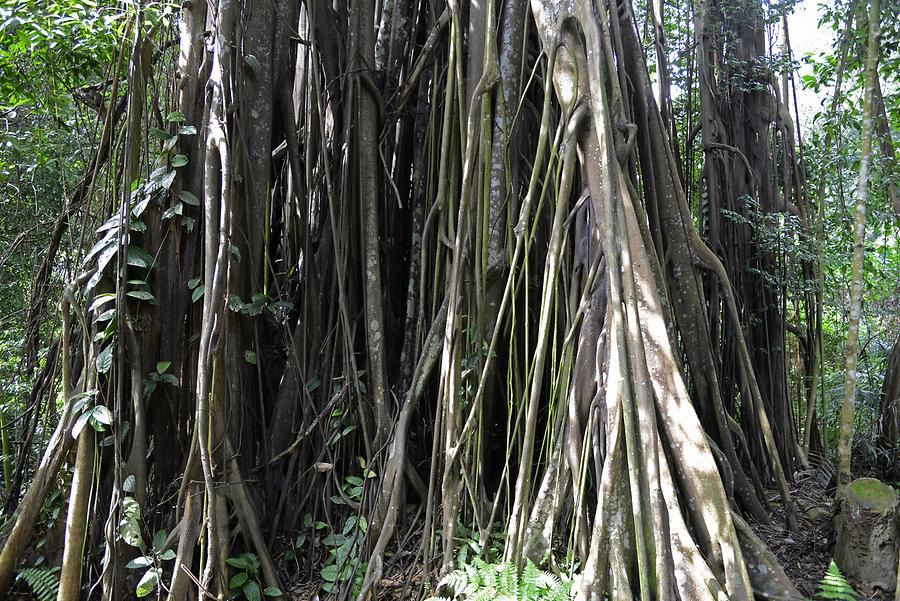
pixel 445 300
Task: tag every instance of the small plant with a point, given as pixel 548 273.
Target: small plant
pixel 151 558
pixel 245 582
pixel 343 562
pixel 470 543
pixel 500 582
pixel 835 586
pixel 160 376
pixel 97 415
pixel 309 529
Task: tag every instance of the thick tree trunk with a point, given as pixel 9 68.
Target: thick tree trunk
pixel 363 221
pixel 889 418
pixel 868 536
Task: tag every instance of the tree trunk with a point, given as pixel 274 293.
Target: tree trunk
pixel 845 440
pixel 868 536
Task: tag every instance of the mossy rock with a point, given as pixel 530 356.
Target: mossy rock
pixel 873 495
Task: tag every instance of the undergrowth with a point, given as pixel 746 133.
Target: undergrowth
pixel 43 582
pixel 481 581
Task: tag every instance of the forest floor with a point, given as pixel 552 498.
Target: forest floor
pixel 806 554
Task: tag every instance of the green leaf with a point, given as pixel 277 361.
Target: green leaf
pixel 235 303
pixel 148 583
pixel 189 198
pixel 334 540
pixel 175 117
pixel 159 539
pixel 349 525
pixel 80 423
pixel 160 179
pixel 187 130
pixel 167 555
pixel 169 379
pixel 141 295
pixel 329 573
pixel 240 563
pixel 102 414
pixel 106 315
pixel 197 293
pixel 272 591
pixel 179 160
pixel 101 299
pixel 163 366
pixel 128 484
pixel 131 508
pixel 238 580
pixel 188 223
pixel 251 591
pixel 139 562
pixel 130 531
pixel 138 257
pixel 252 62
pixel 104 360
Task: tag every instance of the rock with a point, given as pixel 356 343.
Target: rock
pixel 817 513
pixel 867 528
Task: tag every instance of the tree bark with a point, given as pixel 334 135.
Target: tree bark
pixel 845 440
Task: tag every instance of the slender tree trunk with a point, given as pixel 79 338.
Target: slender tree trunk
pixel 845 441
pixel 77 518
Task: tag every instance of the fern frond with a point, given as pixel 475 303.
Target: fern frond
pixel 834 586
pixel 453 584
pixel 43 582
pixel 480 581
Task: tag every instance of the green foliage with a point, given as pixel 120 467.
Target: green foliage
pixel 69 40
pixel 834 586
pixel 343 561
pixel 245 581
pixel 307 532
pixel 160 376
pixel 152 556
pixel 43 582
pixel 483 581
pixel 98 416
pixel 470 543
pixel 784 236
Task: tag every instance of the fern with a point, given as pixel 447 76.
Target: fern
pixel 834 586
pixel 43 582
pixel 480 581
